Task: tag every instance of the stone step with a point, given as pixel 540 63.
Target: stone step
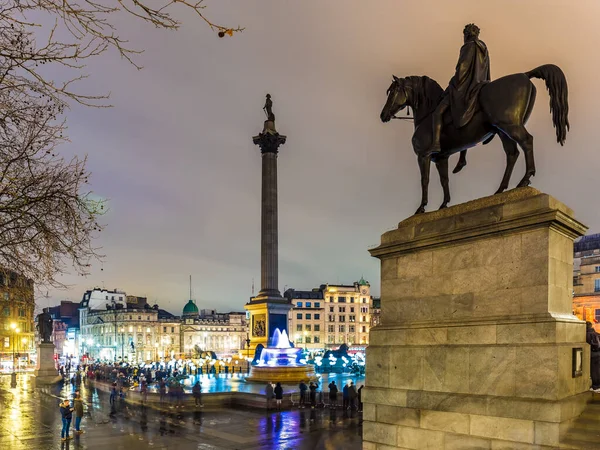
pixel 569 443
pixel 585 435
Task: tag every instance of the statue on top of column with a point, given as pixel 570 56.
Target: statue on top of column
pixel 268 108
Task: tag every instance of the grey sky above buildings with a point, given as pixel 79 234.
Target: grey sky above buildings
pixel 176 160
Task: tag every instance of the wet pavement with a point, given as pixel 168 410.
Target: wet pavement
pixel 31 420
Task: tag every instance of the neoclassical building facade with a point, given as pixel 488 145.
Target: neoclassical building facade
pixel 206 330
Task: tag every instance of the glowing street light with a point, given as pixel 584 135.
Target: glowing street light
pixel 13 375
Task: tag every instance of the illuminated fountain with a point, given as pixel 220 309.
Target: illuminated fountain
pixel 280 362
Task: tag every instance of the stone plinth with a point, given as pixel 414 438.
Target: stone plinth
pixel 45 371
pixel 475 346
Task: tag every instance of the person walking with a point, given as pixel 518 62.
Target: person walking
pixel 78 408
pixel 593 338
pixel 270 393
pixel 333 392
pixel 303 388
pixel 113 393
pixel 352 394
pixel 313 394
pixel 197 393
pixel 278 395
pixel 360 405
pixel 345 397
pixel 66 413
pixel 162 389
pixel 144 390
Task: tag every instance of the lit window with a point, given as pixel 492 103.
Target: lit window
pixel 131 329
pixel 148 330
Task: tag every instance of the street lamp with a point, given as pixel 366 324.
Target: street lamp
pixel 248 352
pixel 13 375
pixel 24 342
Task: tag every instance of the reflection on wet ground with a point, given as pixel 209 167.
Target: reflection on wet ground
pixel 31 420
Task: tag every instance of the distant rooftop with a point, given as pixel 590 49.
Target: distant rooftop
pixel 587 243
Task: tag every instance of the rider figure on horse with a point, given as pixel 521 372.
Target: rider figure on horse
pixel 472 69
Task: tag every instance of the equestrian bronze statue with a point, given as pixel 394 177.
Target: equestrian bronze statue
pixel 473 110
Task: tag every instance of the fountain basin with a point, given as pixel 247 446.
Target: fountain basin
pixel 282 374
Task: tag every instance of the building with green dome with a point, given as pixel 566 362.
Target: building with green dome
pixel 190 309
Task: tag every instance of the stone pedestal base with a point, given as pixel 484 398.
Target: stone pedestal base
pixel 477 340
pixel 267 312
pixel 45 371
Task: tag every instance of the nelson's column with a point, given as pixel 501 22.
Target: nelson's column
pixel 268 310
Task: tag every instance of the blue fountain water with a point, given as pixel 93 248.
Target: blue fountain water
pixel 281 353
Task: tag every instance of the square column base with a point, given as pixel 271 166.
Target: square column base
pixel 45 371
pixel 478 344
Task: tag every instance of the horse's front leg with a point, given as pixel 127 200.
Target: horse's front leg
pixel 424 164
pixel 442 167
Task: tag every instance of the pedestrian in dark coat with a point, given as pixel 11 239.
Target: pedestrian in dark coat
pixel 333 392
pixel 278 395
pixel 303 388
pixel 313 394
pixel 269 393
pixel 352 394
pixel 66 413
pixel 593 338
pixel 360 405
pixel 346 397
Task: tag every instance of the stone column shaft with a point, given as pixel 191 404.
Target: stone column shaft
pixel 269 228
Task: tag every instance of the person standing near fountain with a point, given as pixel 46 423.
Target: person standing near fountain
pixel 278 395
pixel 269 392
pixel 303 388
pixel 333 391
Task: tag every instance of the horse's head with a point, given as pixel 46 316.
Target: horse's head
pixel 396 100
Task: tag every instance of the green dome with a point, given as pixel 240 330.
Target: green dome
pixel 362 282
pixel 190 309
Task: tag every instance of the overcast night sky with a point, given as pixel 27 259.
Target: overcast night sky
pixel 176 160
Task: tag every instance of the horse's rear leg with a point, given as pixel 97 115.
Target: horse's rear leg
pixel 512 153
pixel 442 167
pixel 521 136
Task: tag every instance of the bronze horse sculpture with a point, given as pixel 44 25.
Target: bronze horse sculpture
pixel 505 105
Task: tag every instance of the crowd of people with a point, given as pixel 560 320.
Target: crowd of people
pixel 310 394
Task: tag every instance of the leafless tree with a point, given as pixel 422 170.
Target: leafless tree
pixel 48 217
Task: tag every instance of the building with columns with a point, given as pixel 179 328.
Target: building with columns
pixel 331 315
pixel 126 328
pixel 206 330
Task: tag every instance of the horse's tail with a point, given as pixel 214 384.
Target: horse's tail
pixel 556 84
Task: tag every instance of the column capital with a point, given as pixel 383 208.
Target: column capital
pixel 269 142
